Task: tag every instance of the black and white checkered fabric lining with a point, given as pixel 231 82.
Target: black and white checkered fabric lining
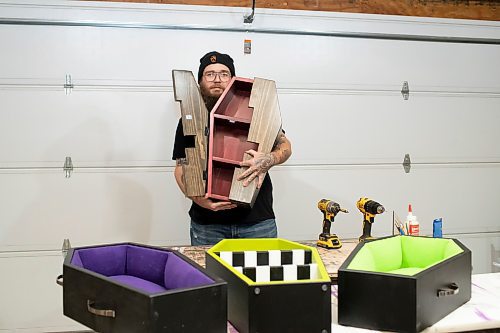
pixel 273 265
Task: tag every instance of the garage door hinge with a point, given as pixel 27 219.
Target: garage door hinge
pixel 68 167
pixel 68 85
pixel 405 91
pixel 407 163
pixel 65 247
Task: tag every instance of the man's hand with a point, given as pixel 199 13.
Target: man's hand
pixel 258 167
pixel 208 203
pixel 260 163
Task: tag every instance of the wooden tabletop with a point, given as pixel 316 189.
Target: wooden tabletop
pixel 332 259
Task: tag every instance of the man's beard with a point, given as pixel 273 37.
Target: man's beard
pixel 210 101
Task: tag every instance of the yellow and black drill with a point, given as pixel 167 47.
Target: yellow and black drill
pixel 329 209
pixel 369 208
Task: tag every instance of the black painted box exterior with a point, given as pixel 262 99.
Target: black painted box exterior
pixel 401 303
pixel 271 308
pixel 187 310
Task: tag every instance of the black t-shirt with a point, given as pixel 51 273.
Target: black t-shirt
pixel 261 210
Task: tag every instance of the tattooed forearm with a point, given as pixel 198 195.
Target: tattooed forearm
pixel 280 139
pixel 281 155
pixel 260 163
pixel 265 162
pixel 282 150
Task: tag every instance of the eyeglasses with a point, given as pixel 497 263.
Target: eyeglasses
pixel 223 76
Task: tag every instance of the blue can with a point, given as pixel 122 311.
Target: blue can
pixel 437 228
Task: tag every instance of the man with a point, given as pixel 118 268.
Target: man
pixel 212 221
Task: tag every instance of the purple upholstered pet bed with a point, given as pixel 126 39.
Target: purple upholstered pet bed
pixel 147 269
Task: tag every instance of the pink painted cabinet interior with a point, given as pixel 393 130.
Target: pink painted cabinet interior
pixel 230 123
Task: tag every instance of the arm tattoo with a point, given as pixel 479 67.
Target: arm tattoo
pixel 264 163
pixel 281 151
pixel 280 139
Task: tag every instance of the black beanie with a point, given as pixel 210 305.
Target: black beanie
pixel 215 57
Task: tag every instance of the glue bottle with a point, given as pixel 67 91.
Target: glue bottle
pixel 413 225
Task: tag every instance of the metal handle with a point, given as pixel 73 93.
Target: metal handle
pixel 99 312
pixel 59 280
pixel 451 290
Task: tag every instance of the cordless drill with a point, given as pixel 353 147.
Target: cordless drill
pixel 329 209
pixel 369 208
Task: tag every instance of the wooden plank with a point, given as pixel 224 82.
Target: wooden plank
pixel 264 128
pixel 456 9
pixel 192 172
pixel 266 118
pixel 194 115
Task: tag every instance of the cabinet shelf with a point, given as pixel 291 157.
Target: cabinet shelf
pixel 221 179
pixel 229 141
pixel 234 102
pixel 226 161
pixel 232 119
pixel 219 197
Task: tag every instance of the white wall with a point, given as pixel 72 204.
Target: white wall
pixel 341 107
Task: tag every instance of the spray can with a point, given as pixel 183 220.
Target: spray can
pixel 437 228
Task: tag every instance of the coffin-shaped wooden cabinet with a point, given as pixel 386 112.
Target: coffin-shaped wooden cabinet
pixel 403 283
pixel 130 288
pixel 245 117
pixel 273 285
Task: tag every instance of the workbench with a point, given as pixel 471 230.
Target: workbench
pixel 482 312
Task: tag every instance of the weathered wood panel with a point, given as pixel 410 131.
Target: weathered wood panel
pixel 458 9
pixel 266 118
pixel 194 115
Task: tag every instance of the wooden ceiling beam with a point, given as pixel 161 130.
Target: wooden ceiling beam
pixel 456 9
